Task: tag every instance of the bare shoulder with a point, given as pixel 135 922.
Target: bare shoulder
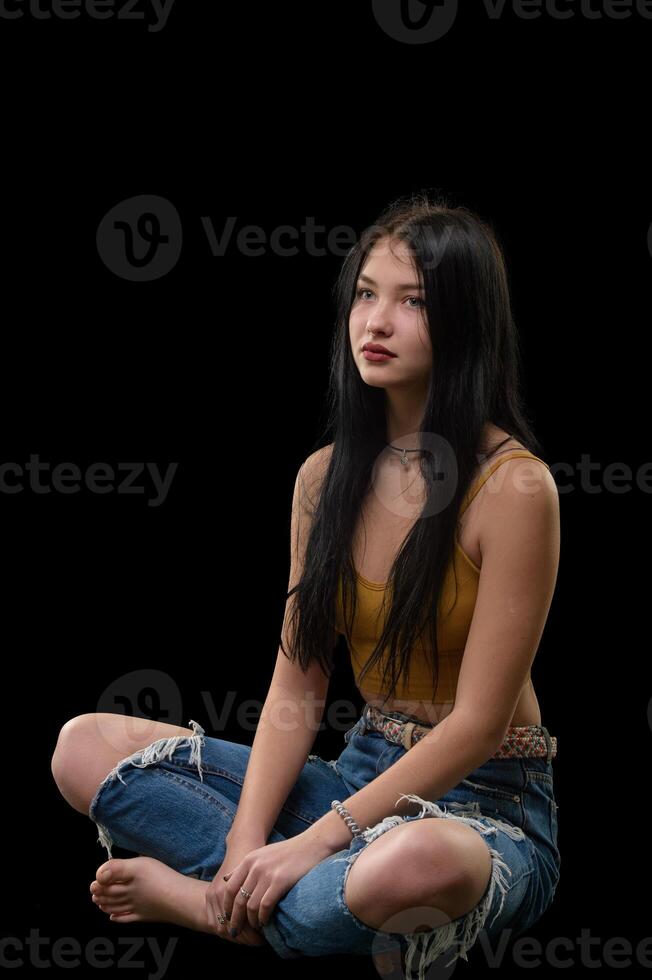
pixel 515 483
pixel 521 499
pixel 518 470
pixel 320 458
pixel 312 472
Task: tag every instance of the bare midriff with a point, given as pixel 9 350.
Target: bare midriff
pixel 527 710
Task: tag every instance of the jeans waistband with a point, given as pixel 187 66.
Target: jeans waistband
pixel 521 741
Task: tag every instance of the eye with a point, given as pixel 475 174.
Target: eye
pixel 365 289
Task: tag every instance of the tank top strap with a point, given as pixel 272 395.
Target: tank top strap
pixel 482 479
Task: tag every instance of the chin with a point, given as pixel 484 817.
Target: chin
pixel 373 383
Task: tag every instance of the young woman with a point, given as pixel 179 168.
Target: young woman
pixel 427 533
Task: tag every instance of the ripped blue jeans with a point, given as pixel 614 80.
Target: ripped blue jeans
pixel 176 799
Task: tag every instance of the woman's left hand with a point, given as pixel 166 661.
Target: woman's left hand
pixel 268 873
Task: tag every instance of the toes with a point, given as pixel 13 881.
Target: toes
pixel 115 869
pixel 118 909
pixel 111 901
pixel 115 891
pixel 126 917
pixel 113 908
pixel 113 904
pixel 111 897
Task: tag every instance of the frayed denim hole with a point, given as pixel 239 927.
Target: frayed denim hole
pixel 161 748
pixel 461 933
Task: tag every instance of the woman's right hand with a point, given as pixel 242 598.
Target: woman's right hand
pixel 236 851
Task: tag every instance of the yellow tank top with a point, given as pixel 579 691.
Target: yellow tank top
pixel 455 614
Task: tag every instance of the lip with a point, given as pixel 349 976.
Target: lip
pixel 377 349
pixel 372 355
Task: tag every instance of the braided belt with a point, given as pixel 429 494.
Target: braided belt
pixel 521 741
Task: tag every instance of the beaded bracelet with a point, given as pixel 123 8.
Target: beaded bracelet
pixel 347 818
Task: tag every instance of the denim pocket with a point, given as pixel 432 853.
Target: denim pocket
pixel 538 774
pixel 497 802
pixel 493 792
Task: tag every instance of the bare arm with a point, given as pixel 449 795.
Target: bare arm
pixel 295 702
pixel 284 737
pixel 432 766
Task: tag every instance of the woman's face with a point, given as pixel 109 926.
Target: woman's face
pixel 388 309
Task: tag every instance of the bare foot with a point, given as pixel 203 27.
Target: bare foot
pixel 142 889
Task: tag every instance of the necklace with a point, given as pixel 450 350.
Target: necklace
pixel 404 459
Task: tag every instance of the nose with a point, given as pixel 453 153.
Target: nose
pixel 378 321
pixel 378 334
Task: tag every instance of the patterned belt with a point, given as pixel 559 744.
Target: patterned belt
pixel 521 741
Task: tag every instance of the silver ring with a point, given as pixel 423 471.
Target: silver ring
pixel 221 918
pixel 245 893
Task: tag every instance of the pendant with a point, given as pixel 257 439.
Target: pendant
pixel 404 458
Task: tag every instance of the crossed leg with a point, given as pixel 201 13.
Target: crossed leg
pixel 129 889
pixel 443 865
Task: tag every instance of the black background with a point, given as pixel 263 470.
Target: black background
pixel 275 115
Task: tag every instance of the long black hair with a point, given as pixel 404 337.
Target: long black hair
pixel 475 379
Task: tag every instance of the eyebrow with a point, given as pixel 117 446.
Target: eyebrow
pixel 403 285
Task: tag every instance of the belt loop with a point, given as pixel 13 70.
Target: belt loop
pixel 546 735
pixel 406 738
pixel 363 717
